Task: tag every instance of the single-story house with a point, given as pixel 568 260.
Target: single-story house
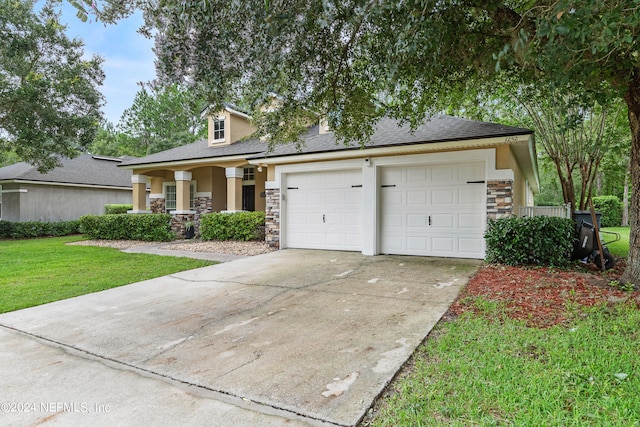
pixel 80 186
pixel 423 192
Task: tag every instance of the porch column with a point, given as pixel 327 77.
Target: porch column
pixel 183 192
pixel 139 184
pixel 234 189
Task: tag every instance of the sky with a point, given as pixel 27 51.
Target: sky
pixel 128 58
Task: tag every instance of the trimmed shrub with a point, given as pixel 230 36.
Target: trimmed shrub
pixel 30 229
pixel 113 209
pixel 152 228
pixel 611 209
pixel 6 228
pixel 530 241
pixel 231 226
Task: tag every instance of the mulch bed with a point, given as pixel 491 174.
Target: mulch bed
pixel 540 296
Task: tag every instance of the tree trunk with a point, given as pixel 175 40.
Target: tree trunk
pixel 632 99
pixel 625 198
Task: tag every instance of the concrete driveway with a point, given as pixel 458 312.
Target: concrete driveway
pixel 295 336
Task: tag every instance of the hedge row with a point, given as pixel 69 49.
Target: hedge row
pixel 232 226
pixel 611 209
pixel 25 230
pixel 153 228
pixel 530 241
pixel 114 209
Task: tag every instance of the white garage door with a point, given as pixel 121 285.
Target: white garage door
pixel 324 210
pixel 435 210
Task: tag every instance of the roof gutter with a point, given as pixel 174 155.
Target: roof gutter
pixel 64 184
pixel 188 162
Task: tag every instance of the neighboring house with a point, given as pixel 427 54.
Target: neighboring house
pixel 80 186
pixel 426 192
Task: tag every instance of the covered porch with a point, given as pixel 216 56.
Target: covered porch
pixel 189 192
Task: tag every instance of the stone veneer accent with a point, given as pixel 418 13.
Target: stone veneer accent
pixel 272 218
pixel 178 221
pixel 157 205
pixel 499 199
pixel 202 205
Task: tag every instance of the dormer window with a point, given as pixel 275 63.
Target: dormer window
pixel 218 129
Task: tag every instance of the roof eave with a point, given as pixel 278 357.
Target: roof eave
pixel 188 162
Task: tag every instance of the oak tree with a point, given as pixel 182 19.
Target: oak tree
pixel 49 98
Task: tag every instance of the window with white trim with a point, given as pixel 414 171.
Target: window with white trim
pixel 218 129
pixel 170 195
pixel 249 173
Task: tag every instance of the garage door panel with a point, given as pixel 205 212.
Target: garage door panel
pixel 416 174
pixel 324 210
pixel 418 220
pixel 416 198
pixel 442 175
pixel 470 195
pixel 442 197
pixel 470 246
pixel 417 244
pixel 444 245
pixel 456 208
pixel 440 221
pixel 470 221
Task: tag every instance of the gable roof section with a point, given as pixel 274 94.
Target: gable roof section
pixel 82 170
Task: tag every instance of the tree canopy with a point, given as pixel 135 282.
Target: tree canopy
pixel 49 98
pixel 159 118
pixel 358 60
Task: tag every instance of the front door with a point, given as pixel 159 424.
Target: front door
pixel 249 198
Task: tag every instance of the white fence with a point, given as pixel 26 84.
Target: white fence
pixel 559 211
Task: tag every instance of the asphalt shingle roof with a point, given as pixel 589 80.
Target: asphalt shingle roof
pixel 84 169
pixel 201 150
pixel 387 133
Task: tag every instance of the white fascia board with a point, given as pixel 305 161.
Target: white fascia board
pixel 65 184
pixel 178 163
pixel 206 112
pixel 238 113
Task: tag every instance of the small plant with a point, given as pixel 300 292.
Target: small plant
pixel 189 230
pixel 626 287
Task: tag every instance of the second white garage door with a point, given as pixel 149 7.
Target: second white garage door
pixel 434 210
pixel 324 210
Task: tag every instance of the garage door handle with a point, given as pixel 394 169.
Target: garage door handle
pixel 388 185
pixel 323 218
pixel 429 220
pixel 475 182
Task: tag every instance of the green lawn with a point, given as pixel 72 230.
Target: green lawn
pixel 38 271
pixel 476 371
pixel 620 248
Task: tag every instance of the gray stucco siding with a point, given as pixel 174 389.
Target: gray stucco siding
pixel 52 203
